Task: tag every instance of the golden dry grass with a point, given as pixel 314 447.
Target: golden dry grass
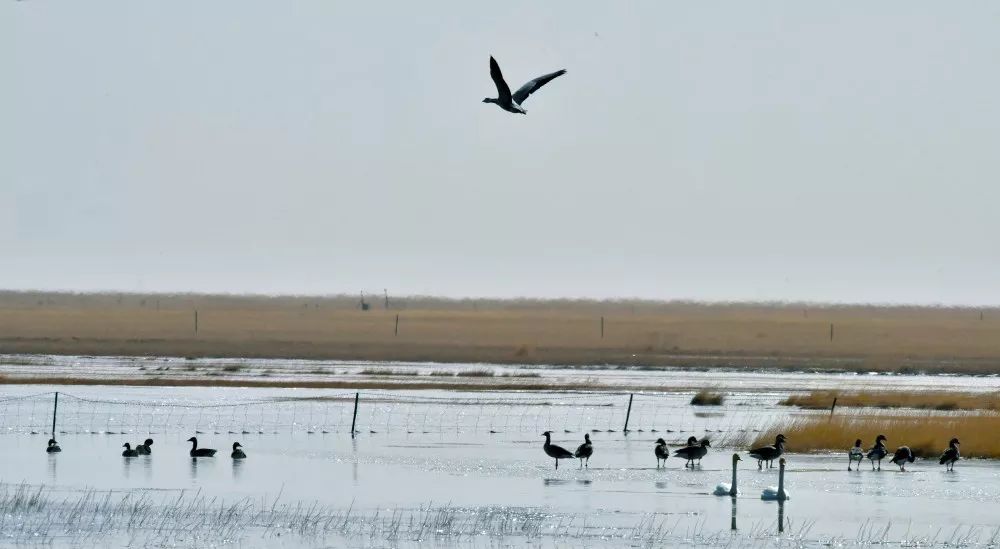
pixel 927 436
pixel 706 397
pixel 932 400
pixel 905 339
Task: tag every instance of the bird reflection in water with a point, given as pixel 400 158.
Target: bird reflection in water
pixel 52 468
pixel 732 524
pixel 781 517
pixel 237 468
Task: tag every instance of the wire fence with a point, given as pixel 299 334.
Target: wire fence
pixel 378 412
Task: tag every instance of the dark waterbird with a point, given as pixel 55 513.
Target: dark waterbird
pixel 902 456
pixel 693 452
pixel 878 452
pixel 144 448
pixel 951 455
pixel 199 452
pixel 662 452
pixel 237 453
pixel 53 447
pixel 855 453
pixel 553 451
pixel 584 451
pixel 512 102
pixel 129 452
pixel 769 453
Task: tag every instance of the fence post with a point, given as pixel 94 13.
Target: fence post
pixel 833 407
pixel 396 333
pixel 602 327
pixel 55 408
pixel 628 412
pixel 355 419
pixel 831 331
pixel 196 321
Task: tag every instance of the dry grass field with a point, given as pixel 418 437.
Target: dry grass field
pixel 559 332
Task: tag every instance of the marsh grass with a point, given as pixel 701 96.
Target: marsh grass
pixel 924 400
pixel 926 435
pixel 706 397
pixel 476 373
pixel 387 372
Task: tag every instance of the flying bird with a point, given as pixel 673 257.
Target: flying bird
pixel 512 102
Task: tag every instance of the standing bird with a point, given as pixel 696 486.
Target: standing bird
pixel 53 447
pixel 855 453
pixel 951 455
pixel 723 489
pixel 553 451
pixel 777 494
pixel 144 448
pixel 237 453
pixel 129 452
pixel 512 103
pixel 769 453
pixel 584 451
pixel 693 452
pixel 903 455
pixel 661 451
pixel 878 452
pixel 199 452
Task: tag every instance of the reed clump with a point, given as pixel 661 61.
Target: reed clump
pixel 706 397
pixel 927 436
pixel 475 373
pixel 923 400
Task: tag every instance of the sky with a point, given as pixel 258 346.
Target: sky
pixel 765 151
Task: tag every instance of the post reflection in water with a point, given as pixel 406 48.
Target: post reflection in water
pixel 52 468
pixel 732 524
pixel 354 465
pixel 781 516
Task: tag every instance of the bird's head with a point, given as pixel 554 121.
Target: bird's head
pixel 149 442
pixel 705 443
pixel 586 437
pixel 126 445
pixel 237 445
pixel 954 441
pixel 692 440
pixel 52 441
pixel 192 439
pixel 881 438
pixel 857 442
pixel 736 457
pixel 489 100
pixel 780 438
pixel 546 433
pixel 660 441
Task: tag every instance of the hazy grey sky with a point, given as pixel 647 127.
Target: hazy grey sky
pixel 753 151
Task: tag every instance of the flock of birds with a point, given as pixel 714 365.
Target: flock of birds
pixel 145 450
pixel 695 450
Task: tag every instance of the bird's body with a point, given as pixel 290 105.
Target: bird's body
pixel 855 453
pixel 769 453
pixel 553 451
pixel 902 456
pixel 778 493
pixel 144 448
pixel 661 451
pixel 724 489
pixel 199 452
pixel 878 452
pixel 129 452
pixel 584 451
pixel 693 452
pixel 511 102
pixel 53 448
pixel 951 455
pixel 237 453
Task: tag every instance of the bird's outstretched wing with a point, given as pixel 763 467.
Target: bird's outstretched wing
pixel 503 91
pixel 534 85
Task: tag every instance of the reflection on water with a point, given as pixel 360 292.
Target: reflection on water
pixel 237 468
pixel 781 516
pixel 52 468
pixel 732 524
pixel 126 467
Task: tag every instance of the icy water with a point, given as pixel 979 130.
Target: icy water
pixel 450 469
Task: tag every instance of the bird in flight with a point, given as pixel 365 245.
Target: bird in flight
pixel 512 102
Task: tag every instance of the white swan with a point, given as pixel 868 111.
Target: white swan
pixel 777 494
pixel 725 489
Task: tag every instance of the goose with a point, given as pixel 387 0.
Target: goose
pixel 144 448
pixel 902 455
pixel 769 453
pixel 585 451
pixel 951 455
pixel 723 489
pixel 693 452
pixel 777 494
pixel 878 452
pixel 553 451
pixel 855 453
pixel 661 451
pixel 53 447
pixel 237 453
pixel 512 103
pixel 199 452
pixel 129 452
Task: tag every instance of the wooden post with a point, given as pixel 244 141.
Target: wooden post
pixel 831 331
pixel 628 413
pixel 196 321
pixel 602 327
pixel 397 325
pixel 55 408
pixel 355 419
pixel 833 407
pixel 386 290
pixel 980 315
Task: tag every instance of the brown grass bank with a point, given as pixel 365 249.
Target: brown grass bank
pixel 927 436
pixel 561 332
pixel 926 400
